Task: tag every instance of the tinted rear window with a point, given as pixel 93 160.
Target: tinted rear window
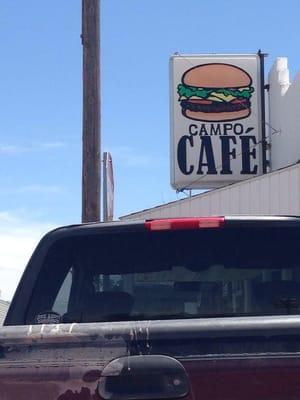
pixel 170 274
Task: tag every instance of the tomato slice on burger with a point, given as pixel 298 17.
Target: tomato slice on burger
pixel 238 101
pixel 200 101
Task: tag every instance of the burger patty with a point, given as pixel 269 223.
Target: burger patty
pixel 215 106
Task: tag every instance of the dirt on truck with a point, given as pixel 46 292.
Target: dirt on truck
pixel 190 308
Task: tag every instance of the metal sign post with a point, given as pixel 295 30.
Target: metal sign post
pixel 108 188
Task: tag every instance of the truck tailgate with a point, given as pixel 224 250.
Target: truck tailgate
pixel 55 361
pixel 236 358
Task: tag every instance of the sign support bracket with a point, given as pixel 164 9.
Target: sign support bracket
pixel 263 110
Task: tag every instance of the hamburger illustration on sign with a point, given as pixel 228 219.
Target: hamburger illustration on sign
pixel 215 92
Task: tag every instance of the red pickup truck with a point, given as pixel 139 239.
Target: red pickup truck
pixel 191 308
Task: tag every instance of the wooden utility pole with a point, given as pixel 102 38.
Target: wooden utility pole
pixel 91 159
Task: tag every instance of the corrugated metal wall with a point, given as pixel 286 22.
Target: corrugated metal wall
pixel 277 193
pixel 3 310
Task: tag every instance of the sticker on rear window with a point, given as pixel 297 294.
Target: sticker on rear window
pixel 48 317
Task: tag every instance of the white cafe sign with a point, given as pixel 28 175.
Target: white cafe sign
pixel 215 120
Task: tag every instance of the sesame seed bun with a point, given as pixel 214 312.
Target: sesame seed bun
pixel 216 75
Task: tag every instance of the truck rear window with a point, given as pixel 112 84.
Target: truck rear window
pixel 169 274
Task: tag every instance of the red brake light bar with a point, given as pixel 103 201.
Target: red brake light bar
pixel 184 223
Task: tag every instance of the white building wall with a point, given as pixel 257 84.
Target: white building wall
pixel 284 115
pixel 277 193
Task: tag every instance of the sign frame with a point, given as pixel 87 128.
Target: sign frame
pixel 185 128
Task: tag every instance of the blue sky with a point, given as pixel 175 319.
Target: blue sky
pixel 41 95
